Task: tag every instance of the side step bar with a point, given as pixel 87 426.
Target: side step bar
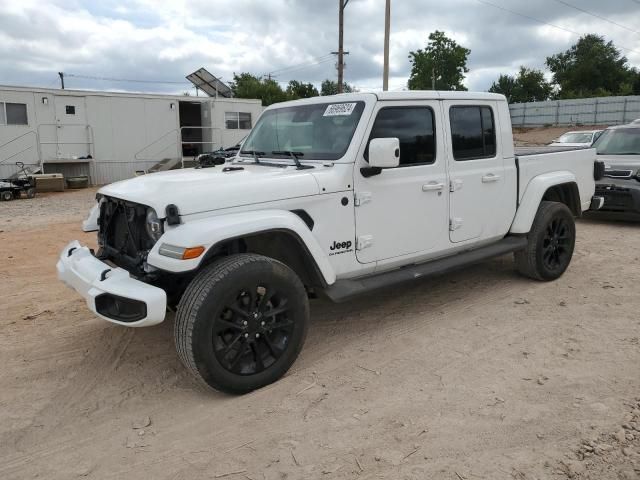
pixel 345 289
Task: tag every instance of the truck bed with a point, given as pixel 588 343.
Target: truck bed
pixel 576 164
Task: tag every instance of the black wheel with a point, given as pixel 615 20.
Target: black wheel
pixel 551 243
pixel 31 192
pixel 241 322
pixel 6 195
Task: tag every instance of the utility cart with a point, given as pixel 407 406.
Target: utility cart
pixel 18 184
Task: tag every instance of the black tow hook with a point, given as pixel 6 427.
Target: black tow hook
pixel 71 250
pixel 103 275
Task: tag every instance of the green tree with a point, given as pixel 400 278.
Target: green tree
pixel 297 89
pixel 269 91
pixel 505 85
pixel 592 67
pixel 443 60
pixel 528 86
pixel 330 87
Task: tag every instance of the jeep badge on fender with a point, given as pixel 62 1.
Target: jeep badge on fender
pixel 340 246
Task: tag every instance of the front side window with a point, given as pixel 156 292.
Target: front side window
pixel 473 132
pixel 237 120
pixel 13 114
pixel 414 127
pixel 320 131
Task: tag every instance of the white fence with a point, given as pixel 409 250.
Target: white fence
pixel 588 111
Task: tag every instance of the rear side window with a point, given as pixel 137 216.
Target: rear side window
pixel 473 132
pixel 414 127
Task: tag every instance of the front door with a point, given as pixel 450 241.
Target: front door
pixel 476 172
pixel 403 211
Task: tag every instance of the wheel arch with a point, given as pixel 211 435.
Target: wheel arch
pixel 559 187
pixel 279 234
pixel 281 244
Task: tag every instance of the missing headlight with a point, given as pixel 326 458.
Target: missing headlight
pixel 153 225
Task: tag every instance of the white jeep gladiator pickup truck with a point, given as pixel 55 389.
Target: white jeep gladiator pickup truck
pixel 332 195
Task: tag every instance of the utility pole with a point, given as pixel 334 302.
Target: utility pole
pixel 387 34
pixel 61 75
pixel 433 78
pixel 341 53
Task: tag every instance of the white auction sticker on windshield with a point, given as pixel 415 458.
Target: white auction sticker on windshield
pixel 340 109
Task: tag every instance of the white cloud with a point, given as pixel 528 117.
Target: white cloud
pixel 167 39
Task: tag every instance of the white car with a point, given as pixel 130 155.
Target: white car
pixel 577 139
pixel 337 196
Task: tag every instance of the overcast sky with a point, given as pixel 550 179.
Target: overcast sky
pixel 165 40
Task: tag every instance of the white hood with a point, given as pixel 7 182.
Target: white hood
pixel 201 190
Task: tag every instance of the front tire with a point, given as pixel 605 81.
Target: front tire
pixel 551 243
pixel 242 322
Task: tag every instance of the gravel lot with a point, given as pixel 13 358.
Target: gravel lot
pixel 478 375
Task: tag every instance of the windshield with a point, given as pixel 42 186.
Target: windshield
pixel 576 138
pixel 321 131
pixel 622 141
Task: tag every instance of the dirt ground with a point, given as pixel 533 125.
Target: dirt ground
pixel 477 375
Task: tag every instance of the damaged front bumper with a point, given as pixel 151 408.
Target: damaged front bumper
pixel 111 293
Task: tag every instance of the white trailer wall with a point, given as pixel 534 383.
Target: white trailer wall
pixel 122 132
pixel 18 143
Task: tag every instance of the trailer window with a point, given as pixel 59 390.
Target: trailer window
pixel 237 120
pixel 473 132
pixel 70 109
pixel 16 114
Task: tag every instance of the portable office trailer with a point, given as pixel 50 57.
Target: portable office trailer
pixel 110 136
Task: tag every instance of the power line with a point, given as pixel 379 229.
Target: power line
pixel 304 67
pixel 598 16
pixel 513 12
pixel 309 63
pixel 127 80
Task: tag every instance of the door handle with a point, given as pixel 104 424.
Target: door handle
pixel 490 178
pixel 433 187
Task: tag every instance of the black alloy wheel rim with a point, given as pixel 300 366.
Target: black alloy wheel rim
pixel 253 330
pixel 556 244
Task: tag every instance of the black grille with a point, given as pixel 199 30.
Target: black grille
pixel 123 236
pixel 618 173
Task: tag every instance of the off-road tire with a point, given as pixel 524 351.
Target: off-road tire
pixel 551 243
pixel 207 300
pixel 6 196
pixel 31 192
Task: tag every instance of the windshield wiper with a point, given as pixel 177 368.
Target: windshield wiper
pixel 295 156
pixel 256 154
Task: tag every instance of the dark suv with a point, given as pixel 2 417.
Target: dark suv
pixel 619 149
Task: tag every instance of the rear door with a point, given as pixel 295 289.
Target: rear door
pixel 476 171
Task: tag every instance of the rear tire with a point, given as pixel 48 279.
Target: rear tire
pixel 551 243
pixel 31 192
pixel 6 195
pixel 242 322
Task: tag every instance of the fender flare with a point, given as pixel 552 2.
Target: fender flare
pixel 209 232
pixel 532 197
